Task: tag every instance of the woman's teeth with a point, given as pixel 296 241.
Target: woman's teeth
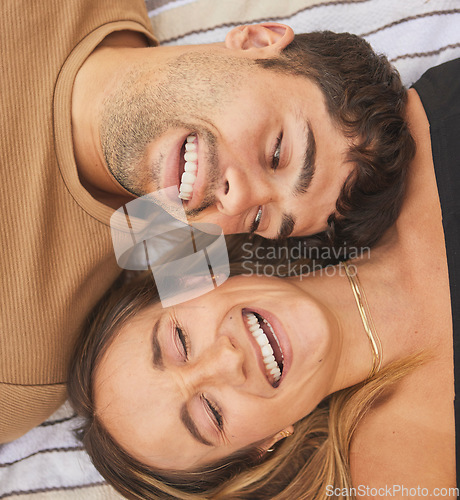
pixel 271 366
pixel 191 166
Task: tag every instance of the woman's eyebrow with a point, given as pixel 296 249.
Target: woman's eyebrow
pixel 156 348
pixel 185 416
pixel 191 427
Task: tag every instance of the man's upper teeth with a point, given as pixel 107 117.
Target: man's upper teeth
pixel 271 366
pixel 191 166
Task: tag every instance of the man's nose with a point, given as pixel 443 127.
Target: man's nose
pixel 243 189
pixel 221 363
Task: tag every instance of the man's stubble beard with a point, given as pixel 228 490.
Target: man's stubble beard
pixel 137 112
pixel 132 119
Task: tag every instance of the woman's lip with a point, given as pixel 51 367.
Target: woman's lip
pixel 281 336
pixel 255 346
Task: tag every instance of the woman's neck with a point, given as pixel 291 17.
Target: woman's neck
pixel 331 288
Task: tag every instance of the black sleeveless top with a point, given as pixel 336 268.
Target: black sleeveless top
pixel 439 91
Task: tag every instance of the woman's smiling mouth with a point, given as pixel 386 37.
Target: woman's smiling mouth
pixel 270 348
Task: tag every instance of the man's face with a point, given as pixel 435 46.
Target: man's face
pixel 264 155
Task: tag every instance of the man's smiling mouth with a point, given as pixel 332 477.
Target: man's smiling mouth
pixel 190 157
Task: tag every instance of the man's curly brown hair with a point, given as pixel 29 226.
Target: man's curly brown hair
pixel 367 100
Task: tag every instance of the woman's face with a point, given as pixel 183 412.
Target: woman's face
pixel 185 386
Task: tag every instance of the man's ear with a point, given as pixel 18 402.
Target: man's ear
pixel 266 39
pixel 270 442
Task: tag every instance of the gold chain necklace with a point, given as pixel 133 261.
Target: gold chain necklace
pixel 364 312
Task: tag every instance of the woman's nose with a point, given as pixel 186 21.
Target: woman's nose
pixel 221 363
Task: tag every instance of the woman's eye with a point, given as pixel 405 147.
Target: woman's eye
pixel 215 413
pixel 277 153
pixel 183 340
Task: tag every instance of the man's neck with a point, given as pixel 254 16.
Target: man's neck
pixel 91 84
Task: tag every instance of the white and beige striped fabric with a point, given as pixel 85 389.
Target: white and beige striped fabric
pixel 414 34
pixel 48 463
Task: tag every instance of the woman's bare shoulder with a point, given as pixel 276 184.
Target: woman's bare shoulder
pixel 408 437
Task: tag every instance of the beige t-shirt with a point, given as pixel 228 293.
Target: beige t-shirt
pixel 56 252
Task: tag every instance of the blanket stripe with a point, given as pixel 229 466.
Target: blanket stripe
pixel 414 34
pixel 49 462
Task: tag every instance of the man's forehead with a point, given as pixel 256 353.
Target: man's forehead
pixel 234 65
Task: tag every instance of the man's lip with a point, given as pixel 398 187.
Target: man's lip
pixel 199 186
pixel 281 336
pixel 175 168
pixel 172 172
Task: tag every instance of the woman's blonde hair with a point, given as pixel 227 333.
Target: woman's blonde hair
pixel 300 467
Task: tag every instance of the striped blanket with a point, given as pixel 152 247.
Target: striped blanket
pixel 414 34
pixel 49 463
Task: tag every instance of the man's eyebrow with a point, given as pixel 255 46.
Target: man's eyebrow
pixel 156 348
pixel 191 427
pixel 303 181
pixel 286 227
pixel 308 169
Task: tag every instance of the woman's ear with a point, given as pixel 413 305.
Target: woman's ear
pixel 270 442
pixel 269 38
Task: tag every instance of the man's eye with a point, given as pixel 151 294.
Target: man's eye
pixel 277 153
pixel 256 222
pixel 215 412
pixel 183 342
